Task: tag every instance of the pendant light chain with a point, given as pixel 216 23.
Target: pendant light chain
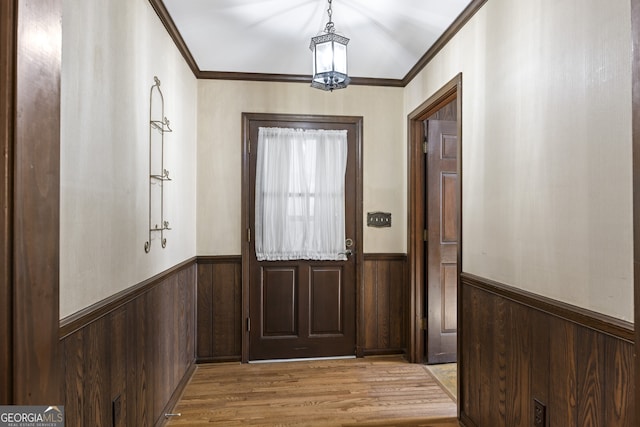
pixel 329 28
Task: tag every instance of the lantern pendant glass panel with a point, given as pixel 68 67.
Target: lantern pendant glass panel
pixel 340 58
pixel 324 55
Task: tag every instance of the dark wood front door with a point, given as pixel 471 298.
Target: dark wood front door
pixel 442 238
pixel 301 309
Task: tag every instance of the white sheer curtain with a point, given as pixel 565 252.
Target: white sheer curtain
pixel 299 197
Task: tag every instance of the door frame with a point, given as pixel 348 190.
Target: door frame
pixel 29 218
pixel 416 170
pixel 7 66
pixel 357 121
pixel 635 135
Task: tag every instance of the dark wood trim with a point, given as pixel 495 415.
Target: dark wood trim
pixel 586 318
pixel 465 421
pixel 175 35
pixel 460 308
pixel 635 63
pixel 369 81
pixel 416 170
pixel 216 259
pixel 310 118
pixel 449 33
pixel 382 352
pixel 291 78
pixel 385 257
pixel 84 317
pixel 176 395
pixel 222 359
pixel 247 118
pixel 256 77
pixel 37 209
pixel 442 97
pixel 246 249
pixel 7 81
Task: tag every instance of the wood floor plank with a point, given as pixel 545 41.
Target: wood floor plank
pixel 378 391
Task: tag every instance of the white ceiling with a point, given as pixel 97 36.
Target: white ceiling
pixel 272 36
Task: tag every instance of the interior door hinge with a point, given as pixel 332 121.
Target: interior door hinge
pixel 425 235
pixel 424 324
pixel 249 148
pixel 424 146
pixel 248 324
pixel 248 235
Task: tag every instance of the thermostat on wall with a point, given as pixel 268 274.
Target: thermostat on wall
pixel 378 219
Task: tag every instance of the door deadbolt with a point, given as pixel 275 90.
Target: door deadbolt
pixel 348 243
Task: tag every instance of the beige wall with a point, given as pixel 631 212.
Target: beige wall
pixel 546 149
pixel 547 193
pixel 111 52
pixel 220 105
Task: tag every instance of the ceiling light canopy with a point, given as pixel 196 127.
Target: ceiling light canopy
pixel 329 52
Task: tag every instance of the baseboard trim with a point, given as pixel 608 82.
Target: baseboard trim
pixel 383 352
pixel 465 421
pixel 589 319
pixel 84 317
pixel 218 359
pixel 175 397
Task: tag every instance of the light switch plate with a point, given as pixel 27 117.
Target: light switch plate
pixel 378 219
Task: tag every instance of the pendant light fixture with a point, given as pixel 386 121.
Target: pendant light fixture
pixel 329 58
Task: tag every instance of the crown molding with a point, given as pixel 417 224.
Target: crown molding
pixel 290 78
pixel 170 26
pixel 167 21
pixel 449 33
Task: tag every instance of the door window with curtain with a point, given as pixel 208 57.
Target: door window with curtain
pixel 299 197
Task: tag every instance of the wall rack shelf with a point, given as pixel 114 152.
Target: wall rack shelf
pixel 158 126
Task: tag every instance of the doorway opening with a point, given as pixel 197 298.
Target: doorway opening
pixel 435 225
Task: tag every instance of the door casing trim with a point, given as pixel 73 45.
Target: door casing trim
pixel 247 118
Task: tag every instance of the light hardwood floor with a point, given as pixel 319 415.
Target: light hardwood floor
pixel 375 391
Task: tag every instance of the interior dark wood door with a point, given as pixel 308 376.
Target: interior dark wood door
pixel 301 309
pixel 441 244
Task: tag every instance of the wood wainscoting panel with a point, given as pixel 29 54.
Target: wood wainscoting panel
pixel 219 317
pixel 384 326
pixel 128 366
pixel 518 348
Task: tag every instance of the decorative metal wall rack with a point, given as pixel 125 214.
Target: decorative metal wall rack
pixel 158 175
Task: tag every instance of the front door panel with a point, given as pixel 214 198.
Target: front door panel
pixel 303 308
pixel 279 295
pixel 326 302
